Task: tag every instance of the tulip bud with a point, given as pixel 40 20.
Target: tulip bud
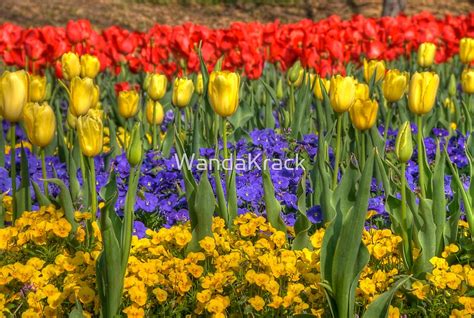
pixel 223 92
pixel 84 95
pixel 467 81
pixel 364 113
pixel 128 103
pixel 95 97
pixel 135 148
pixel 37 88
pixel 317 87
pixel 394 85
pixel 422 92
pixel 466 50
pixel 404 143
pixel 309 79
pixel 426 54
pixel 295 74
pixel 199 84
pixel 362 91
pixel 14 87
pixel 90 133
pixel 342 93
pixel 279 89
pixel 71 66
pixel 90 66
pixel 71 119
pixel 452 86
pixel 374 67
pixel 40 123
pixel 157 108
pixel 183 89
pixel 156 86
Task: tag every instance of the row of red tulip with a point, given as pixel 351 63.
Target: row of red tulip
pixel 324 45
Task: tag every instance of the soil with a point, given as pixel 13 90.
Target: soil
pixel 140 16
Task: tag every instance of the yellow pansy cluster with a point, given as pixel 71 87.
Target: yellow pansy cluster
pixel 46 270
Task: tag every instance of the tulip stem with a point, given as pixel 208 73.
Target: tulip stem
pixel 388 118
pixel 363 152
pixel 92 188
pixel 406 240
pixel 421 170
pixel 153 129
pixel 292 101
pixel 13 166
pixel 43 168
pixel 338 150
pixel 178 120
pixel 224 139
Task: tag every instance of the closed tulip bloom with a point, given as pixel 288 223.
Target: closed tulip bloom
pixel 279 89
pixel 14 87
pixel 467 81
pixel 71 119
pixel 71 65
pixel 404 143
pixel 40 123
pixel 362 91
pixel 374 67
pixel 199 84
pixel 422 92
pixel 128 103
pixel 90 66
pixel 223 92
pixel 156 86
pixel 342 93
pixel 317 87
pixel 38 87
pixel 364 114
pixel 90 132
pixel 183 89
pixel 135 148
pixel 83 95
pixel 95 97
pixel 466 50
pixel 157 109
pixel 296 74
pixel 394 85
pixel 426 54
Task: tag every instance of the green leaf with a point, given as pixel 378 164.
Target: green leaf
pixel 302 224
pixel 204 205
pixel 168 142
pixel 439 199
pixel 66 202
pixel 22 195
pixel 40 197
pixel 272 205
pixel 379 307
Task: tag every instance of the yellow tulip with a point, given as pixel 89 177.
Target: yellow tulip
pixel 71 119
pixel 199 84
pixel 223 92
pixel 466 50
pixel 467 81
pixel 295 74
pixel 95 97
pixel 128 103
pixel 38 86
pixel 14 87
pixel 152 106
pixel 422 92
pixel 90 66
pixel 342 93
pixel 426 54
pixel 71 65
pixel 83 95
pixel 183 89
pixel 362 91
pixel 156 86
pixel 374 66
pixel 40 123
pixel 364 113
pixel 394 85
pixel 404 143
pixel 317 87
pixel 90 132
